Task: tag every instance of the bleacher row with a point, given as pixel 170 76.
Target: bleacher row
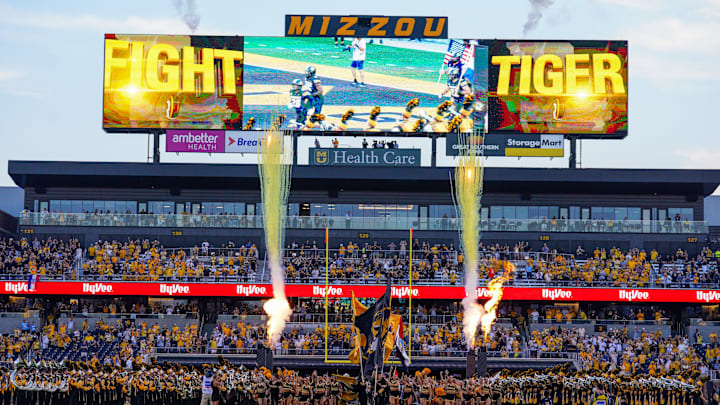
pixel 351 263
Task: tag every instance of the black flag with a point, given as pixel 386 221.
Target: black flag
pixel 374 323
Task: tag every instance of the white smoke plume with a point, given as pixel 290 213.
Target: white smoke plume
pixel 275 188
pixel 188 11
pixel 467 193
pixel 535 15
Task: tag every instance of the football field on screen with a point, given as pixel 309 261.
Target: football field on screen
pixel 394 74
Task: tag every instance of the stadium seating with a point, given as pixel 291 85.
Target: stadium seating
pixel 633 339
pixel 350 263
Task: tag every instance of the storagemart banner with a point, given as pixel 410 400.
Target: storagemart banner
pixel 363 157
pixel 211 141
pixel 548 294
pixel 546 145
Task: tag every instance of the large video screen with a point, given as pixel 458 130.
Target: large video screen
pixel 558 87
pixel 356 84
pixel 366 85
pixel 172 82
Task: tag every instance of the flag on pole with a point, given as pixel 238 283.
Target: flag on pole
pixel 467 58
pixel 360 338
pixel 347 385
pixel 395 340
pixel 32 281
pixel 454 47
pixel 400 346
pixel 371 328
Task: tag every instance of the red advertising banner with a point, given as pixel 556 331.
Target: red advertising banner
pixel 74 288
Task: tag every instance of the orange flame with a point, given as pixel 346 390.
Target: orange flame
pixel 486 314
pixel 495 288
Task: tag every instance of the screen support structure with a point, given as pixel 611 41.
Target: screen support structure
pixel 156 146
pixel 572 162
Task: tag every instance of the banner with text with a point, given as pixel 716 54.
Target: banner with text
pixel 365 26
pixel 211 141
pixel 242 141
pixel 364 157
pixel 548 294
pixel 545 145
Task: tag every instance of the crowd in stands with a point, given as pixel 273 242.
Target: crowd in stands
pixel 628 351
pixel 437 330
pixel 9 306
pixel 111 342
pixel 149 261
pixel 23 257
pixel 633 268
pixel 372 263
pixel 67 307
pixel 125 308
pixel 428 340
pixel 296 339
pixel 132 260
pixel 623 313
pixel 625 350
pixel 352 262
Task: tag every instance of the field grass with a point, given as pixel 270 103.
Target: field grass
pixel 388 60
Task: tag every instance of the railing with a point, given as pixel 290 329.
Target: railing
pixel 419 255
pixel 131 315
pixel 701 322
pixel 318 351
pixel 541 354
pixel 435 282
pixel 360 223
pixel 608 322
pixel 15 315
pixel 300 318
pixel 342 318
pixel 136 278
pixel 206 254
pixel 370 253
pixel 371 280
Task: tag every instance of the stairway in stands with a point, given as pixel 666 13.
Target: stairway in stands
pixel 208 315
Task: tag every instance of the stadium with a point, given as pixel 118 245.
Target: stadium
pixel 359 258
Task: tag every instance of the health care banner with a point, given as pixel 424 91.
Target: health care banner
pixel 74 288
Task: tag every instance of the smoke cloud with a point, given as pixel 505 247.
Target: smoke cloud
pixel 188 11
pixel 535 15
